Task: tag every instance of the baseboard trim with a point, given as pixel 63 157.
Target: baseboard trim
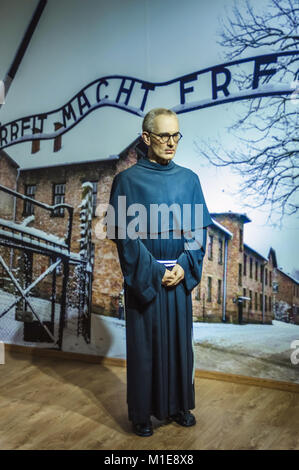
pixel 247 380
pixel 51 353
pixel 112 361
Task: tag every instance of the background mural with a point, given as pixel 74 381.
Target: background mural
pixel 71 120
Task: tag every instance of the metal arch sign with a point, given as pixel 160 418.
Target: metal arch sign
pixel 134 95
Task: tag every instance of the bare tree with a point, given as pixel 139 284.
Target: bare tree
pixel 268 162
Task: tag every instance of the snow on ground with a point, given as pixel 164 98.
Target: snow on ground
pixel 108 334
pixel 263 339
pixel 12 331
pixel 264 351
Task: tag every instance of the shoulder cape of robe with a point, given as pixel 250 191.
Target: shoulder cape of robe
pixel 151 183
pixel 160 360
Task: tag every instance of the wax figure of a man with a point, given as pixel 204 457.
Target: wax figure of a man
pixel 159 275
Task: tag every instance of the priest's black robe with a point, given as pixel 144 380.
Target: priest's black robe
pixel 159 329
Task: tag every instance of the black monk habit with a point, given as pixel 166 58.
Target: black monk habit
pixel 159 330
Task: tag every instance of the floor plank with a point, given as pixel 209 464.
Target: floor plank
pixel 49 403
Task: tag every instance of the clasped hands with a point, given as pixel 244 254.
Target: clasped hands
pixel 172 278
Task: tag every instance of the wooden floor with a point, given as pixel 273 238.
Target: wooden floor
pixel 48 403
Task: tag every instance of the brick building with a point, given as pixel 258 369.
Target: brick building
pixel 286 290
pixel 9 170
pixel 8 177
pixel 62 183
pixel 237 282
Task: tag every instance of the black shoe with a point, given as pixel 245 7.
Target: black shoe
pixel 184 418
pixel 143 429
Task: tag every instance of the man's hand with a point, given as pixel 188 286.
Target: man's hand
pixel 172 278
pixel 168 276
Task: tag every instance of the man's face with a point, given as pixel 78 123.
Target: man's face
pixel 163 124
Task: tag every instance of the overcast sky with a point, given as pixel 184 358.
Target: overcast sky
pixel 77 42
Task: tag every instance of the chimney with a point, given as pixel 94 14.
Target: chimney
pixel 57 141
pixel 35 145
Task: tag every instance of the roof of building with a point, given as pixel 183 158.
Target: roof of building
pixel 288 275
pixel 122 154
pixel 254 251
pixel 11 160
pixel 245 219
pixel 223 229
pixel 111 157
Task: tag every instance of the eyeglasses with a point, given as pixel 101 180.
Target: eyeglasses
pixel 164 138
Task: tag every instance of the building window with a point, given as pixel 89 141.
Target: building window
pixel 59 198
pixel 265 303
pixel 261 302
pixel 220 256
pixel 30 190
pixel 255 301
pixel 256 270
pixel 197 295
pixel 240 240
pixel 219 292
pixel 266 276
pixel 209 299
pixel 250 302
pixel 250 268
pixel 261 273
pixel 210 247
pixel 240 274
pixel 244 264
pixel 270 304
